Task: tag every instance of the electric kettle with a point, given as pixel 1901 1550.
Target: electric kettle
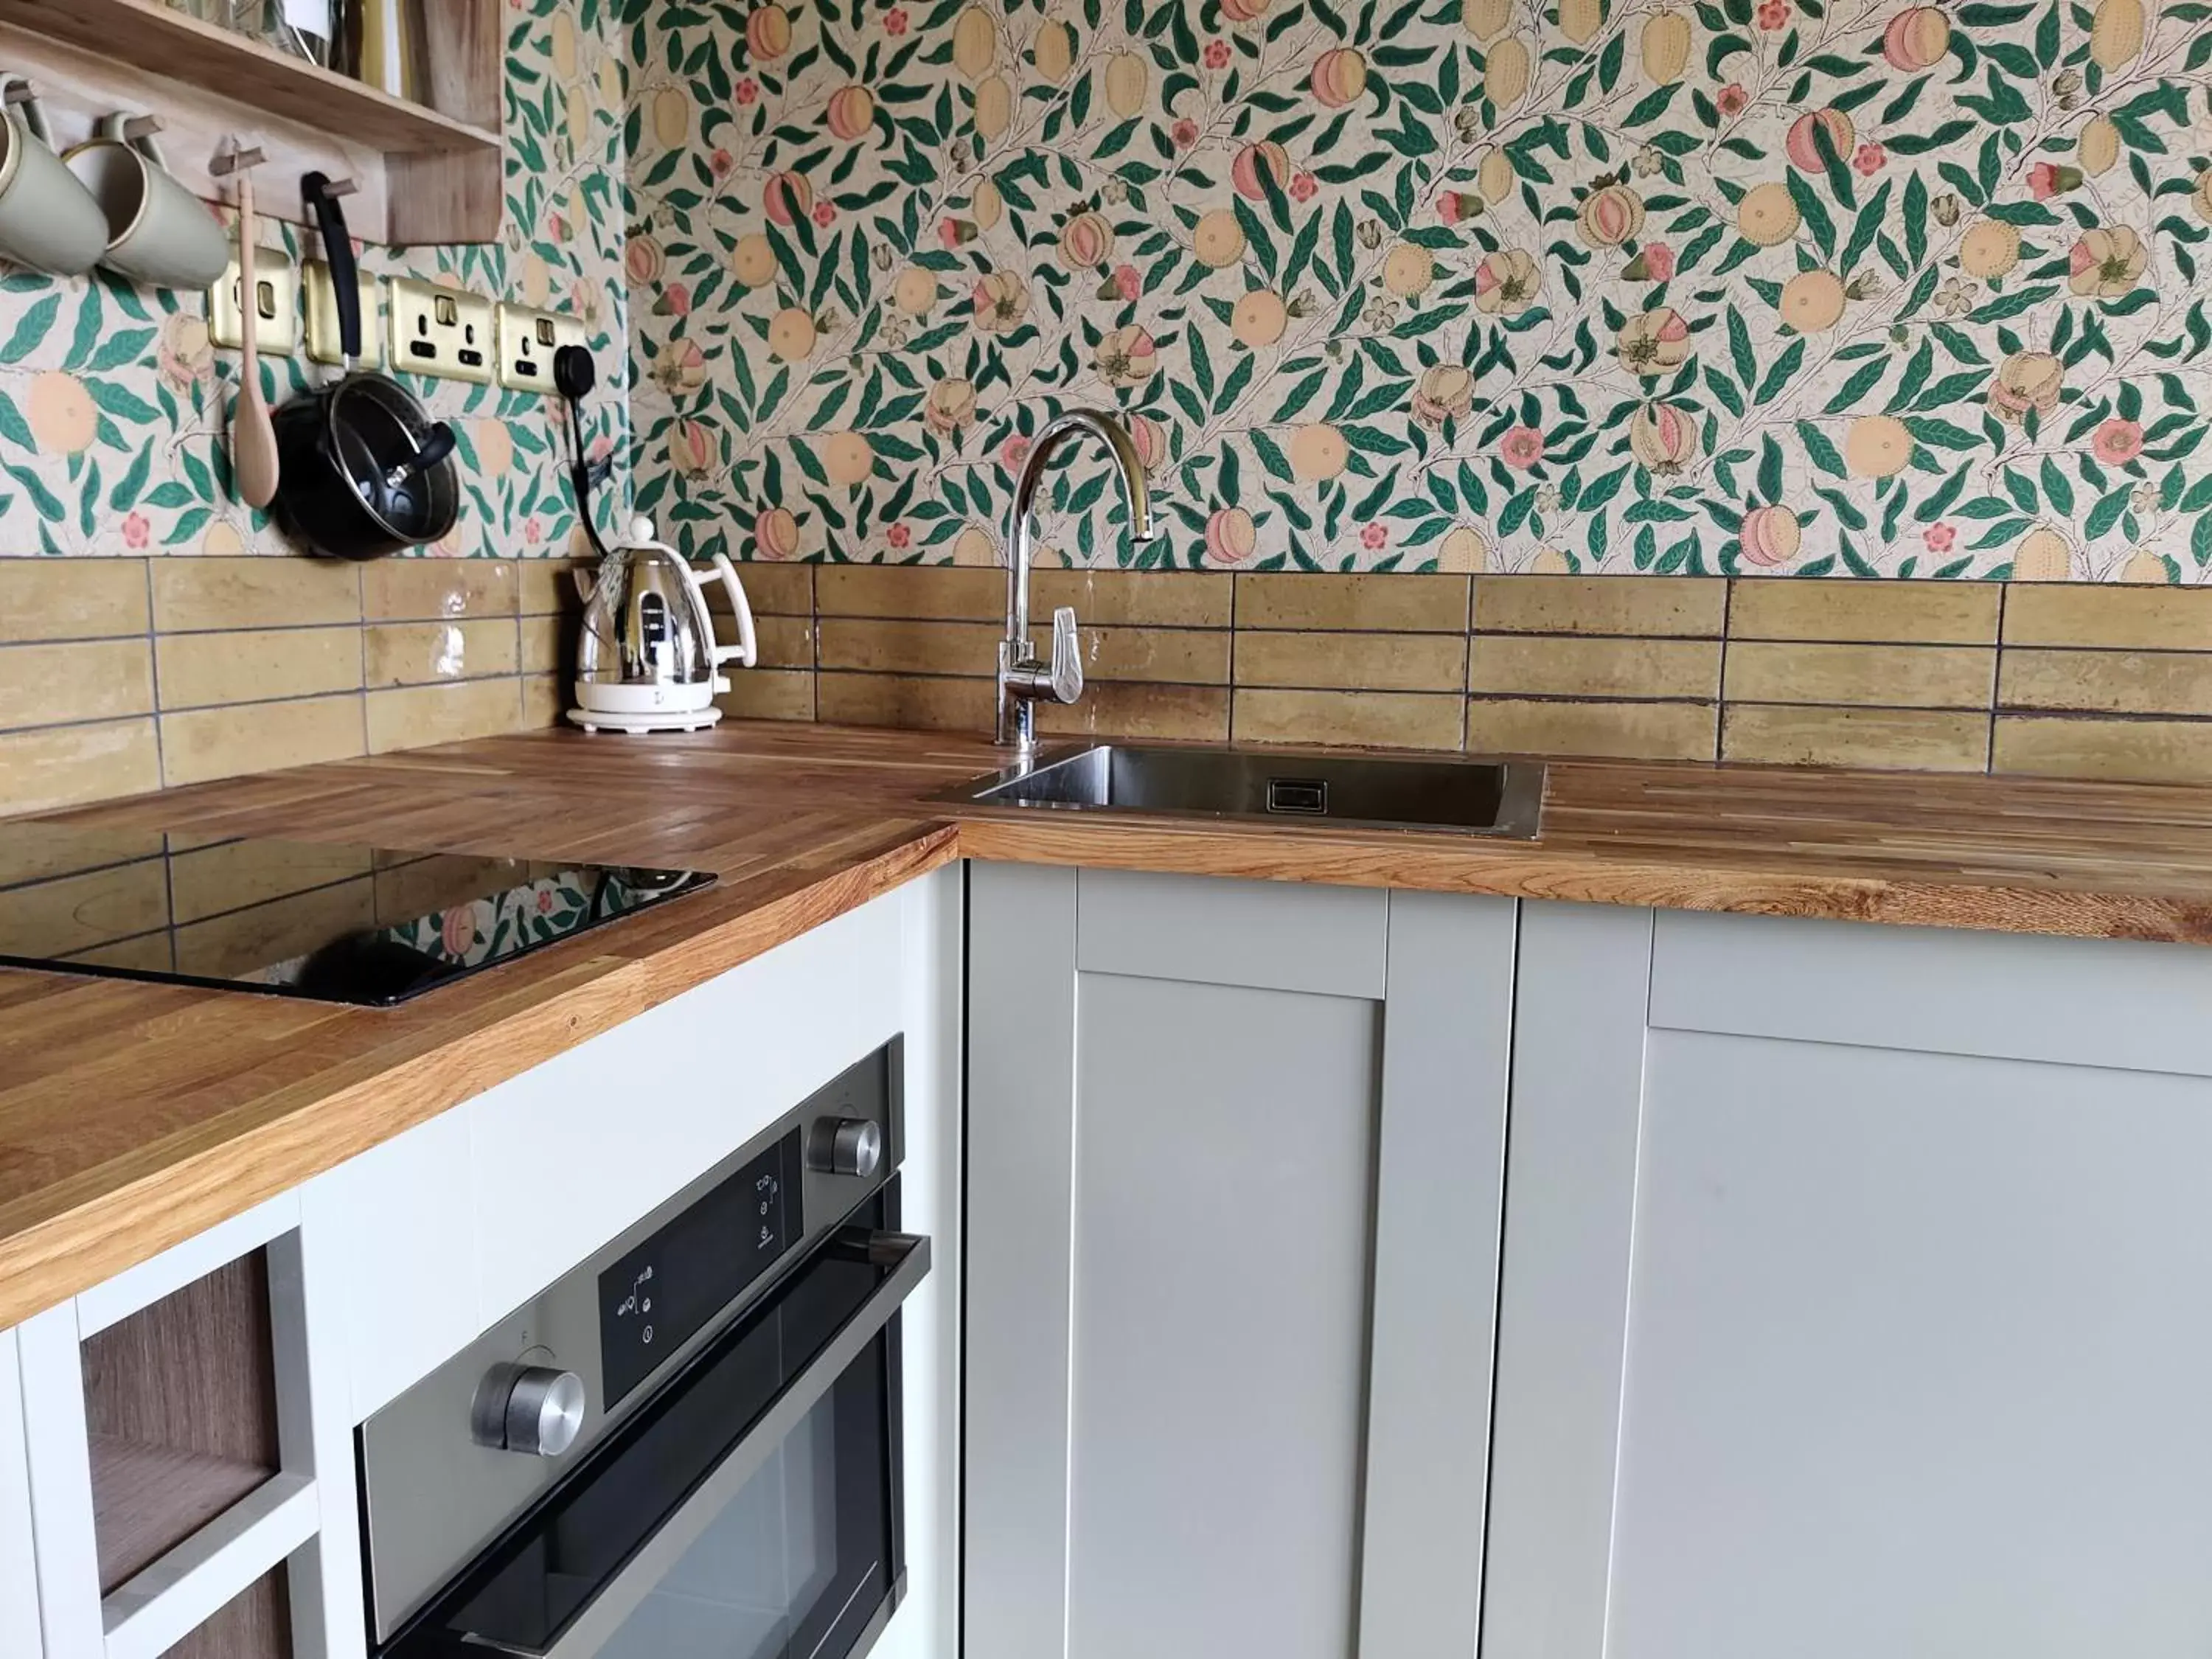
pixel 646 659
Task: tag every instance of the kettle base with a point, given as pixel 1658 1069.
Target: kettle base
pixel 600 719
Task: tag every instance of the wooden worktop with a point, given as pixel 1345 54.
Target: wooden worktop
pixel 135 1115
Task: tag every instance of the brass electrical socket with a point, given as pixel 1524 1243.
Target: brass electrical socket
pixel 527 341
pixel 442 332
pixel 322 308
pixel 276 316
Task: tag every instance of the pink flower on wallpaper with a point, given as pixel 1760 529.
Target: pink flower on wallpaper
pixel 1303 186
pixel 898 535
pixel 1938 537
pixel 545 901
pixel 748 90
pixel 458 929
pixel 676 299
pixel 1184 132
pixel 1375 537
pixel 721 164
pixel 1127 282
pixel 533 530
pixel 1658 261
pixel 824 214
pixel 1732 99
pixel 137 532
pixel 948 232
pixel 2117 442
pixel 1521 447
pixel 1869 159
pixel 1774 15
pixel 1013 452
pixel 1217 54
pixel 895 21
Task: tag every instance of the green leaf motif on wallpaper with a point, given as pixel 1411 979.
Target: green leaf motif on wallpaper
pixel 1811 284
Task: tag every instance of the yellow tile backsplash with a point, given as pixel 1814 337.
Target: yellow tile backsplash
pixel 120 675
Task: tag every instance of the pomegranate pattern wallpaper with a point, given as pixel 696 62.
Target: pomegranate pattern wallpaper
pixel 1789 287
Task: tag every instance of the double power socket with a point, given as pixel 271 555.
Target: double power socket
pixel 448 333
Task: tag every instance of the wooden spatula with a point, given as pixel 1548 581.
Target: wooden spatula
pixel 252 438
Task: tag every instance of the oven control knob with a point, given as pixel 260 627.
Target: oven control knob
pixel 533 1409
pixel 848 1145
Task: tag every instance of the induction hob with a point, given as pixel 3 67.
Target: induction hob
pixel 368 926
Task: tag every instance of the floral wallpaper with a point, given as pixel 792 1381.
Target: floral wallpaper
pixel 1803 287
pixel 114 406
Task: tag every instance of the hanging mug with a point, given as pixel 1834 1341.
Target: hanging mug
pixel 48 220
pixel 158 231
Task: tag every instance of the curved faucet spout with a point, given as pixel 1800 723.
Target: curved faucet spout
pixel 1022 679
pixel 1020 547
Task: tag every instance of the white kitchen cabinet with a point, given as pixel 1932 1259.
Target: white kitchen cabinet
pixel 1234 1155
pixel 19 1580
pixel 1854 1295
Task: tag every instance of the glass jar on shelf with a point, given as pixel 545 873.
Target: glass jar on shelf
pixel 302 27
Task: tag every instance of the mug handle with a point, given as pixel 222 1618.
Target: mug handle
pixel 34 114
pixel 116 124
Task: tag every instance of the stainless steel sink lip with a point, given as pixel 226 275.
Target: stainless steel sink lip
pixel 1519 816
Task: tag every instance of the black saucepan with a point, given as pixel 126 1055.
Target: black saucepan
pixel 363 469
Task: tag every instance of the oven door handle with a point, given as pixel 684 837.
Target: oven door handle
pixel 611 1608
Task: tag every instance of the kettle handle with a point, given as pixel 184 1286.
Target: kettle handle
pixel 746 652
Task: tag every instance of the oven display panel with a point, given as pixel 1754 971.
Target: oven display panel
pixel 659 1296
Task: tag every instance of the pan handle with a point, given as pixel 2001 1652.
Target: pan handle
pixel 337 251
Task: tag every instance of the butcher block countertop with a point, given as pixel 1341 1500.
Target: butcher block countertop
pixel 133 1116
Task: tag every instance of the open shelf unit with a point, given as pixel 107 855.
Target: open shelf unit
pixel 429 173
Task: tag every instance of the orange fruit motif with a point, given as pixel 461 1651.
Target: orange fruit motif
pixel 1259 319
pixel 1813 300
pixel 1878 447
pixel 848 458
pixel 1318 451
pixel 1218 239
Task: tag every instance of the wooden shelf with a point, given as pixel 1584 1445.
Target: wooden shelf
pixel 437 167
pixel 146 1500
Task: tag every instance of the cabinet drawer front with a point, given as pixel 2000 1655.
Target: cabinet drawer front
pixel 2120 1003
pixel 566 1156
pixel 1216 930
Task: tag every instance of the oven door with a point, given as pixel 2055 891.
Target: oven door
pixel 750 1509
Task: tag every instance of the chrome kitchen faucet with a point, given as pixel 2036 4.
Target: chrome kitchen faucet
pixel 1024 681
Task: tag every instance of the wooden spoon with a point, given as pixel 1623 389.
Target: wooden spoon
pixel 252 437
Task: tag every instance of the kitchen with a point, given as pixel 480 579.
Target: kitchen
pixel 912 643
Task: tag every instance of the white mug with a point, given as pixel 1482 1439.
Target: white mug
pixel 48 220
pixel 158 231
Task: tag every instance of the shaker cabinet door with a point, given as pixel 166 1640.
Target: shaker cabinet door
pixel 1234 1162
pixel 19 1581
pixel 1831 1349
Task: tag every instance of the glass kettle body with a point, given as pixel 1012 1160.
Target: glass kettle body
pixel 647 656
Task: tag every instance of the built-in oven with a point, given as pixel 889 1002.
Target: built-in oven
pixel 687 1447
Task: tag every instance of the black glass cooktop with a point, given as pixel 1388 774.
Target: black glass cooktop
pixel 372 925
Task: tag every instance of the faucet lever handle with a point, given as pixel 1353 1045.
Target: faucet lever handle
pixel 1066 656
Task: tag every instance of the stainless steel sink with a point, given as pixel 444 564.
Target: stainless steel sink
pixel 1366 792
